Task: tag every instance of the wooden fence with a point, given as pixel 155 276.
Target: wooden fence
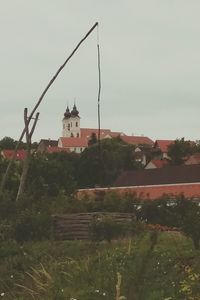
pixel 77 226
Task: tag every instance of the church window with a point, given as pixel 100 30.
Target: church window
pixel 76 124
pixel 68 126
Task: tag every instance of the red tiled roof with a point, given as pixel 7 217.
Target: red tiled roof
pixel 163 144
pixel 159 163
pixel 74 142
pixel 20 154
pixel 149 192
pixel 86 132
pixel 56 150
pixel 193 159
pixel 115 134
pixel 137 140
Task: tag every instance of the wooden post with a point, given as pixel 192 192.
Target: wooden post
pixel 28 152
pixel 3 182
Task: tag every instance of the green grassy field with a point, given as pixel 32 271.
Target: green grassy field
pixel 165 267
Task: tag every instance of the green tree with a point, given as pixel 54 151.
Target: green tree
pixel 180 149
pixel 93 139
pixel 7 143
pixel 102 165
pixel 10 143
pixel 52 173
pixel 189 215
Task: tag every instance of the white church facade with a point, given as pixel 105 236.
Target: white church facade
pixel 75 139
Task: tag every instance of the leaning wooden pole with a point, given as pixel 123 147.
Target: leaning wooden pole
pixel 28 153
pixel 3 182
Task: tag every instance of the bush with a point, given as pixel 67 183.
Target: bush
pixel 31 226
pixel 105 228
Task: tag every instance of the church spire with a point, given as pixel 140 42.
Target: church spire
pixel 74 112
pixel 67 113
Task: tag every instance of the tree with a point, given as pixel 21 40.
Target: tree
pixel 101 166
pixel 179 150
pixel 10 144
pixel 7 143
pixel 189 212
pixel 56 172
pixel 93 139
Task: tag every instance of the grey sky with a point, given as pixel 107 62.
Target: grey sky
pixel 150 60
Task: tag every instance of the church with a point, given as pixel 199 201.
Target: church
pixel 75 139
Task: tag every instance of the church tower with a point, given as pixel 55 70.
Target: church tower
pixel 71 123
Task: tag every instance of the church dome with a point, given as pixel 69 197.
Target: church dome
pixel 74 112
pixel 67 113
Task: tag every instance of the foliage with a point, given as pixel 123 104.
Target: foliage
pixel 180 149
pixel 189 286
pixel 31 226
pixel 105 228
pixel 180 212
pixel 81 270
pixel 10 143
pixel 52 173
pixel 102 166
pixel 93 139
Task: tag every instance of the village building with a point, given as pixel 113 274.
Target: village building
pixel 152 184
pixel 160 148
pixel 157 163
pixel 193 159
pixel 75 139
pixel 8 154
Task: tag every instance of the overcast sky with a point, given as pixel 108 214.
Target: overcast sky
pixel 150 63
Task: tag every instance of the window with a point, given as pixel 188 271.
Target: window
pixel 68 127
pixel 77 135
pixel 76 124
pixel 72 135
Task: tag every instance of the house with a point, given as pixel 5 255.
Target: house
pixel 73 144
pixel 157 163
pixel 8 154
pixel 46 144
pixel 154 183
pixel 137 140
pixel 51 150
pixel 193 159
pixel 161 148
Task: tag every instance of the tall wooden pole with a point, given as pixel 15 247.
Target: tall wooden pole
pixel 3 182
pixel 28 153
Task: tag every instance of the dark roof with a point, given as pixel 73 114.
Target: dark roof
pixel 167 175
pixel 51 143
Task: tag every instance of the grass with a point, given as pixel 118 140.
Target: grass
pixel 88 271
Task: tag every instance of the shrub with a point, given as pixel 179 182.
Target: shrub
pixel 31 226
pixel 105 228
